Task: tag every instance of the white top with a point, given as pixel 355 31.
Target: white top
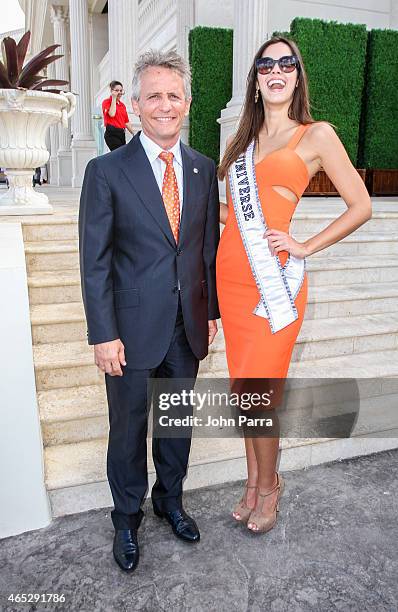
pixel 152 151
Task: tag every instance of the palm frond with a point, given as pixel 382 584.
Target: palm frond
pixel 48 82
pixel 35 63
pixel 4 80
pixel 22 48
pixel 10 52
pixel 13 74
pixel 37 66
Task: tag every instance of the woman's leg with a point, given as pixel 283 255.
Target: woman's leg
pixel 250 496
pixel 266 452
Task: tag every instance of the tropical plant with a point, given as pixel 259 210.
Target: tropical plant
pixel 14 75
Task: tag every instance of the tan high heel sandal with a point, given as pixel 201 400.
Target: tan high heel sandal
pixel 265 522
pixel 241 507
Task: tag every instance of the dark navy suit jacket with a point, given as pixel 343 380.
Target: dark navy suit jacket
pixel 130 263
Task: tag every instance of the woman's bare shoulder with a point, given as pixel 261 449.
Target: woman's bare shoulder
pixel 321 129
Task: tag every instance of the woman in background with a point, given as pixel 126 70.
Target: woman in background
pixel 261 277
pixel 116 119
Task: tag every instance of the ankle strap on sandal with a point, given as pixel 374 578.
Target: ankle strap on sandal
pixel 275 488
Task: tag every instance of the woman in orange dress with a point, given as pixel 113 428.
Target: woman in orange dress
pixel 269 162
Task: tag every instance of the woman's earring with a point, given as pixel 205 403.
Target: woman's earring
pixel 256 95
pixel 297 84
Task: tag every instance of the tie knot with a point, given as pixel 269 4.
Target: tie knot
pixel 167 157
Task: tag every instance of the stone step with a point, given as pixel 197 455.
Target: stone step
pixel 48 287
pixel 63 322
pixel 53 323
pixel 63 254
pixel 69 364
pixel 68 404
pixel 322 204
pixel 64 285
pixel 71 465
pixel 338 336
pixel 312 214
pixel 52 255
pixel 352 270
pixel 349 300
pixel 371 243
pixel 372 364
pixel 84 463
pixel 74 415
pixel 314 222
pixel 56 228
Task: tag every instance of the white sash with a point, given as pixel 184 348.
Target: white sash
pixel 278 285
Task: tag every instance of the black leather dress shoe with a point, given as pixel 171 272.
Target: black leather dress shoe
pixel 183 526
pixel 125 549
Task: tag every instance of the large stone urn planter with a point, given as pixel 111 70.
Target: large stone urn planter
pixel 25 116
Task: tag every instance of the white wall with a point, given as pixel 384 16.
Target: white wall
pixel 99 46
pixel 214 13
pixel 23 498
pixel 373 13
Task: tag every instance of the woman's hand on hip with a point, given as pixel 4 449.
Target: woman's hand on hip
pixel 281 241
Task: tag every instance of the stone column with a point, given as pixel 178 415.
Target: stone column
pixel 60 19
pixel 394 15
pixel 185 22
pixel 251 19
pixel 83 144
pixel 54 140
pixel 123 44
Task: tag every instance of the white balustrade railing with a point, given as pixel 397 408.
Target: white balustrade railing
pixel 104 71
pixel 152 18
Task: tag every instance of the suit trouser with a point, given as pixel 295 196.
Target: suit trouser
pixel 127 449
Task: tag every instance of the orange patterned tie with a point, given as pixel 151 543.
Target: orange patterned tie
pixel 170 194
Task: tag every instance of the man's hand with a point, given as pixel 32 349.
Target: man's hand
pixel 109 356
pixel 212 330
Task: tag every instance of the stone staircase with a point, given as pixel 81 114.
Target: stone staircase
pixel 350 329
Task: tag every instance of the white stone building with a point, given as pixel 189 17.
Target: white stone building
pixel 100 40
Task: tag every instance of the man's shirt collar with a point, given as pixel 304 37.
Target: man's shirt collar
pixel 152 149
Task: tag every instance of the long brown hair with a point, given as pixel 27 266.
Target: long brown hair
pixel 252 118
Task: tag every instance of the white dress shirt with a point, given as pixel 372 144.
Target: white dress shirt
pixel 152 151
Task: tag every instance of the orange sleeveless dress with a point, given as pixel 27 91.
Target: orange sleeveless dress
pixel 253 351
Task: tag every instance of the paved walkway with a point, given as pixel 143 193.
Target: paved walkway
pixel 334 548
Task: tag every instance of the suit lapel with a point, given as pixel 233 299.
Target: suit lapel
pixel 138 171
pixel 188 166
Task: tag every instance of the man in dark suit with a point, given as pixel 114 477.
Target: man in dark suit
pixel 148 232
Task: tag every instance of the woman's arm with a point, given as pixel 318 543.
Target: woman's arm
pixel 333 158
pixel 223 212
pixel 224 205
pixel 345 178
pixel 129 126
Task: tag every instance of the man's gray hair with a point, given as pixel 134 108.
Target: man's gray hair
pixel 165 59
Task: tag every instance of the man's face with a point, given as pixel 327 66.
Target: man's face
pixel 162 105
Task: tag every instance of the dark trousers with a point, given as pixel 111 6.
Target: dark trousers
pixel 114 137
pixel 127 448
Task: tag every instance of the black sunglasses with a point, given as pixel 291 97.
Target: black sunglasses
pixel 287 63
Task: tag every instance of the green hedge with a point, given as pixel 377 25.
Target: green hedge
pixel 334 56
pixel 210 56
pixel 379 137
